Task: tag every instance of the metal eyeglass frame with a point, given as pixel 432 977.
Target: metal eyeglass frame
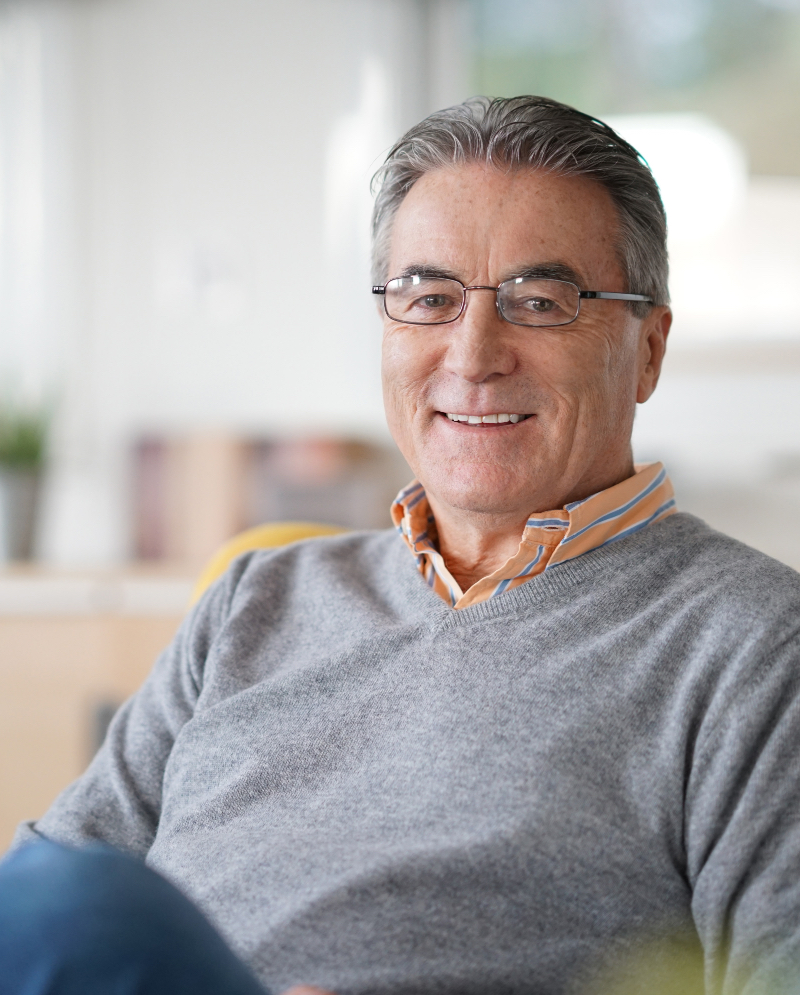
pixel 605 295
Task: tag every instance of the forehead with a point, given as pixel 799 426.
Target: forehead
pixel 481 222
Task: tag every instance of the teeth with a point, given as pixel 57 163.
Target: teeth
pixel 486 419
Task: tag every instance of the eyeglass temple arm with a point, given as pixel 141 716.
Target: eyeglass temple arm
pixel 606 295
pixel 379 290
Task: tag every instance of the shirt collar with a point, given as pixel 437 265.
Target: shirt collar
pixel 548 538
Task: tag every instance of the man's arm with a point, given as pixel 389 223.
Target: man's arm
pixel 743 826
pixel 118 799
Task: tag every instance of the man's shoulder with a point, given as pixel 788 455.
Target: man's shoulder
pixel 367 566
pixel 713 550
pixel 348 552
pixel 704 560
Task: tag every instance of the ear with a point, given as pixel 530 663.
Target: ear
pixel 652 346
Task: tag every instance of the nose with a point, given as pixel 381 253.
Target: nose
pixel 479 346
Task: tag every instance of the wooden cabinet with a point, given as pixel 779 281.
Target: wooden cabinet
pixel 71 648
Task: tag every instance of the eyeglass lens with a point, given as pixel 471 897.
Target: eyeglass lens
pixel 418 300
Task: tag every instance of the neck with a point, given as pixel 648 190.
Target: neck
pixel 475 544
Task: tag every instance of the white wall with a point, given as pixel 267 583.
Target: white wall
pixel 183 206
pixel 206 220
pixel 726 416
pixel 728 406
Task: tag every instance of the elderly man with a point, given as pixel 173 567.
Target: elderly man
pixel 542 737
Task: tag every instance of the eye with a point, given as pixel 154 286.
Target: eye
pixel 435 301
pixel 541 305
pixel 423 301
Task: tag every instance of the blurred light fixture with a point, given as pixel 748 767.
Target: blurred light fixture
pixel 700 169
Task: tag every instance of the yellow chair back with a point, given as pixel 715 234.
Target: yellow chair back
pixel 260 537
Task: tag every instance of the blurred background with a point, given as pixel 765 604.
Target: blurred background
pixel 188 345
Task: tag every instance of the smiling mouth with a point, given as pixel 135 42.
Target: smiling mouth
pixel 497 419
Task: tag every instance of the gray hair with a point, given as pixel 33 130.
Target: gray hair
pixel 537 133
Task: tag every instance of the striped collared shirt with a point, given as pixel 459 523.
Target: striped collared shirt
pixel 548 538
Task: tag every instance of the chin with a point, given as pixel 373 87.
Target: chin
pixel 481 489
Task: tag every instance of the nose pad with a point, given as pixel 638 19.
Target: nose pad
pixel 496 299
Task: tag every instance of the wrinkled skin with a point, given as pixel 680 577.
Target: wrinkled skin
pixel 580 382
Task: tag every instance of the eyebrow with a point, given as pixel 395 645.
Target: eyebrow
pixel 541 271
pixel 430 271
pixel 550 271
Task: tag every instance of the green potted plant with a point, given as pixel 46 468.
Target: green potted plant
pixel 23 439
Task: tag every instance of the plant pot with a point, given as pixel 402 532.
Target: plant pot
pixel 19 501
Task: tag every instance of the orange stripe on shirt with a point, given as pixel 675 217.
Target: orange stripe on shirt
pixel 549 538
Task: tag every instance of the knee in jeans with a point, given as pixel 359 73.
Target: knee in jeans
pixel 98 914
pixel 84 893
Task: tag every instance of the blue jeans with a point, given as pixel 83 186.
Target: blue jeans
pixel 96 922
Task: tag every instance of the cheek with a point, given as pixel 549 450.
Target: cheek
pixel 582 383
pixel 562 376
pixel 604 383
pixel 394 369
pixel 408 366
pixel 403 376
pixel 594 362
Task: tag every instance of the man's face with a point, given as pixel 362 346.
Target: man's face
pixel 577 384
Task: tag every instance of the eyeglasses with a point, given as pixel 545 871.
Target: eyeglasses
pixel 426 300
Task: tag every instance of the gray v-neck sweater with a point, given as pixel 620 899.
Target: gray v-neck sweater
pixel 367 790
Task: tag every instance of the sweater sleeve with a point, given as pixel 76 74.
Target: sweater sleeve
pixel 743 825
pixel 118 798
